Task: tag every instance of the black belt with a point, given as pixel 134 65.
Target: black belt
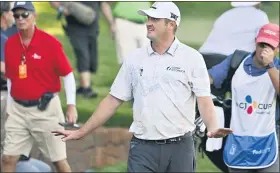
pixel 165 141
pixel 28 103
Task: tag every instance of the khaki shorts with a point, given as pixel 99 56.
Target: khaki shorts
pixel 28 124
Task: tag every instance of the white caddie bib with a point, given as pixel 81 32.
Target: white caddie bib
pixel 253 143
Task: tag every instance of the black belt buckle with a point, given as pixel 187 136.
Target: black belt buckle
pixel 177 139
pixel 169 141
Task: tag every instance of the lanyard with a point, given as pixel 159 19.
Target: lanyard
pixel 23 59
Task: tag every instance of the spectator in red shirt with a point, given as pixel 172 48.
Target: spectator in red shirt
pixel 34 63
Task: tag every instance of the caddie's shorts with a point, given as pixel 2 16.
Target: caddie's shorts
pixel 85 48
pixel 28 124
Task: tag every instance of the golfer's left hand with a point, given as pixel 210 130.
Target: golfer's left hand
pixel 219 133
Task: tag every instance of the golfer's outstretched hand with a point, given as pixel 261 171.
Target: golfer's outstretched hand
pixel 68 134
pixel 219 133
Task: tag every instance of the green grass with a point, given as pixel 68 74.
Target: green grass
pixel 198 19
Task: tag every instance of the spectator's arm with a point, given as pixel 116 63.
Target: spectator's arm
pixel 106 10
pixel 7 58
pixel 61 62
pixel 2 57
pixel 60 8
pixel 274 75
pixel 55 4
pixel 219 72
pixel 70 88
pixel 9 86
pixel 2 67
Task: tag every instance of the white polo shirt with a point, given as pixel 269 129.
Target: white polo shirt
pixel 235 29
pixel 164 89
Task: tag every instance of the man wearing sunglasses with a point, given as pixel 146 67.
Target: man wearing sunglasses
pixel 253 145
pixel 25 164
pixel 34 63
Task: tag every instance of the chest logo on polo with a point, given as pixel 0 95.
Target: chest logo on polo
pixel 250 106
pixel 36 56
pixel 175 69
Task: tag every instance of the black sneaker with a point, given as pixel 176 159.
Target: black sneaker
pixel 80 91
pixel 89 93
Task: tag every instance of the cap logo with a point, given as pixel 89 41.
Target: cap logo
pixel 269 32
pixel 21 3
pixel 174 16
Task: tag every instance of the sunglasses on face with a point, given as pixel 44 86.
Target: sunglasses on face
pixel 23 15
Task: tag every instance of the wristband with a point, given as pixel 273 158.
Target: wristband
pixel 60 9
pixel 270 65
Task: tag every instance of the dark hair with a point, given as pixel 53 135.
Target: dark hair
pixel 5 6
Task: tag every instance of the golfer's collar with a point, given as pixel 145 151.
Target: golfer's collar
pixel 171 50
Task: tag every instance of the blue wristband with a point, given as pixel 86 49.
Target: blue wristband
pixel 60 9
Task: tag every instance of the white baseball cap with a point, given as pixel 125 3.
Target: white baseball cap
pixel 244 4
pixel 164 10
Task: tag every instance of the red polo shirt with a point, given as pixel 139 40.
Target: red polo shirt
pixel 45 62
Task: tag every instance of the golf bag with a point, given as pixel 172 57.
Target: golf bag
pixel 219 100
pixel 215 156
pixel 214 59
